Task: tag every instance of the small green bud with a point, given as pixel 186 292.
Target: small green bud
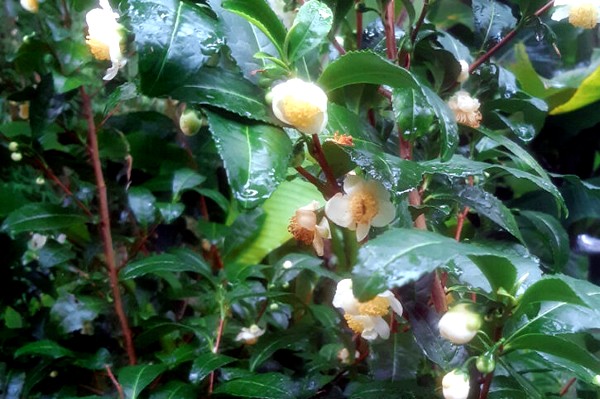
pixel 264 82
pixel 190 123
pixel 596 380
pixel 13 146
pixel 274 306
pixel 269 98
pixel 16 156
pixel 486 363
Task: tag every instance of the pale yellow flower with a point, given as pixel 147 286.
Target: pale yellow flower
pixel 30 5
pixel 459 325
pixel 366 318
pixel 581 13
pixel 250 334
pixel 300 104
pixel 455 385
pixel 365 203
pixel 303 226
pixel 105 36
pixel 466 109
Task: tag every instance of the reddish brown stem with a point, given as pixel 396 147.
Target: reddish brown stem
pixel 390 33
pixel 567 386
pixel 505 40
pixel 460 219
pixel 359 27
pixel 320 156
pixel 204 208
pixel 419 23
pixel 311 179
pixel 216 350
pixel 114 381
pixel 337 45
pixel 438 294
pixel 105 232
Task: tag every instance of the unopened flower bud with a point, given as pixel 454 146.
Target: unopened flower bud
pixel 455 385
pixel 464 71
pixel 13 146
pixel 274 306
pixel 16 156
pixel 486 363
pixel 596 380
pixel 30 5
pixel 459 325
pixel 190 123
pixel 40 180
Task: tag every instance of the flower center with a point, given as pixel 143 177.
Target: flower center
pixel 99 49
pixel 298 112
pixel 363 207
pixel 377 306
pixel 583 16
pixel 300 233
pixel 355 325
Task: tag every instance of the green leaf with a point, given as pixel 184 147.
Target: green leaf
pixel 556 346
pixel 163 263
pixel 587 93
pixel 224 89
pixel 185 179
pixel 412 112
pixel 267 386
pixel 174 39
pixel 175 390
pixel 278 210
pixel 255 157
pixel 552 288
pixel 41 217
pixel 493 20
pixel 500 272
pixel 170 211
pixel 546 238
pixel 267 347
pixel 489 206
pixel 396 358
pixel 311 26
pixel 259 13
pixel 143 205
pixel 205 364
pixel 72 313
pixel 16 129
pixel 12 318
pixel 446 121
pixel 134 379
pixel 522 114
pixel 44 348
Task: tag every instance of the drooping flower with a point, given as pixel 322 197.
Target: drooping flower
pixel 105 37
pixel 300 104
pixel 455 385
pixel 581 13
pixel 366 318
pixel 459 325
pixel 365 204
pixel 303 226
pixel 30 5
pixel 464 71
pixel 465 108
pixel 250 334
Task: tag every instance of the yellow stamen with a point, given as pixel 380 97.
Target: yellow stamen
pixel 377 306
pixel 299 113
pixel 99 50
pixel 343 139
pixel 583 16
pixel 355 325
pixel 472 119
pixel 300 233
pixel 363 207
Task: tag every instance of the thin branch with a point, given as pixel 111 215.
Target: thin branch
pixel 359 27
pixel 327 171
pixel 419 23
pixel 216 350
pixel 114 381
pixel 337 45
pixel 461 216
pixel 105 231
pixel 506 39
pixel 567 386
pixel 390 33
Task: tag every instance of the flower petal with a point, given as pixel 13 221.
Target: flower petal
pixel 362 231
pixel 387 213
pixel 337 210
pixel 381 327
pixel 560 13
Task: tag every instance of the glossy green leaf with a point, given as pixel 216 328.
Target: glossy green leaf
pixel 546 237
pixel 500 272
pixel 206 363
pixel 254 156
pixel 175 390
pixel 311 26
pixel 396 358
pixel 551 288
pixel 556 346
pixel 143 205
pixel 493 20
pixel 44 348
pixel 267 386
pixel 174 39
pixel 134 379
pixel 170 211
pixel 12 318
pixel 587 93
pixel 259 13
pixel 522 114
pixel 446 122
pixel 163 263
pixel 267 347
pixel 225 89
pixel 185 179
pixel 412 111
pixel 72 313
pixel 41 217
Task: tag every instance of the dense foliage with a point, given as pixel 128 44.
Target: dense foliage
pixel 290 199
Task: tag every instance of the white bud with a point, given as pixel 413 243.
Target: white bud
pixel 16 156
pixel 459 325
pixel 288 264
pixel 464 71
pixel 13 146
pixel 455 385
pixel 40 180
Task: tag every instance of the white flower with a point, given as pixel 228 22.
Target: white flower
pixel 455 385
pixel 459 325
pixel 581 13
pixel 365 204
pixel 464 71
pixel 344 355
pixel 300 104
pixel 30 5
pixel 250 334
pixel 465 108
pixel 61 238
pixel 366 318
pixel 105 36
pixel 303 226
pixel 37 241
